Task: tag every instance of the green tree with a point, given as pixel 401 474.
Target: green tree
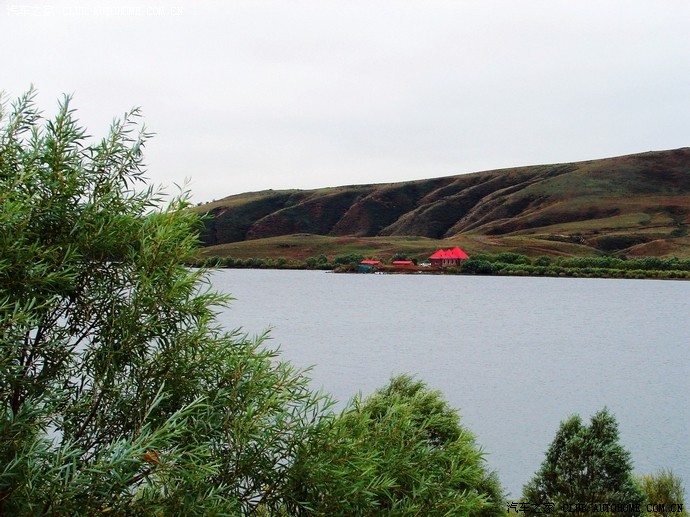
pixel 665 491
pixel 120 394
pixel 401 451
pixel 585 464
pixel 118 391
pixel 476 266
pixel 348 259
pixel 508 257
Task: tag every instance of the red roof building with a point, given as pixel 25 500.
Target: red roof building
pixel 368 266
pixel 449 257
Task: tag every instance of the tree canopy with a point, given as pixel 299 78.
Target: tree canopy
pixel 585 465
pixel 400 451
pixel 120 393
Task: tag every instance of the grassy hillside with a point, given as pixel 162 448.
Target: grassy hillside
pixel 636 205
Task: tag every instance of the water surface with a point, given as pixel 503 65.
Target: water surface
pixel 514 355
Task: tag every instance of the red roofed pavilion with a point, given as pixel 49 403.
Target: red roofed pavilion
pixel 449 257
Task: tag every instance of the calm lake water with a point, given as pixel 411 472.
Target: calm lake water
pixel 515 356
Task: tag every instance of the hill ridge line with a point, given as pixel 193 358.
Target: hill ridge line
pixel 635 198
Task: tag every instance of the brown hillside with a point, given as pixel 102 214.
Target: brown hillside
pixel 637 204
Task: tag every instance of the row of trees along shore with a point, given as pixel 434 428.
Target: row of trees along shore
pixel 121 395
pixel 507 263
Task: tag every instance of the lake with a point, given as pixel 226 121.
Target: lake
pixel 514 355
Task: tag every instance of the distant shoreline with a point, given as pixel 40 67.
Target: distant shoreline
pixel 505 264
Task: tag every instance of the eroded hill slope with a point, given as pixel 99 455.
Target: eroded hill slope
pixel 635 203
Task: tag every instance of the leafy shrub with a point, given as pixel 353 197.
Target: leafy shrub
pixel 350 259
pixel 512 258
pixel 665 490
pixel 320 262
pixel 585 464
pixel 475 266
pixel 118 393
pixel 401 451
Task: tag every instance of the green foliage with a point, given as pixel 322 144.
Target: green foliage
pixel 348 259
pixel 585 464
pixel 401 451
pixel 118 393
pixel 665 490
pixel 582 267
pixel 512 258
pixel 320 262
pixel 477 266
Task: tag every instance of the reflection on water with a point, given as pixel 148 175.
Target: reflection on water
pixel 514 355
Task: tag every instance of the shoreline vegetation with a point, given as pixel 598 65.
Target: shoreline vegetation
pixel 500 264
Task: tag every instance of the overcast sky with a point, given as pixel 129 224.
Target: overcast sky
pixel 251 95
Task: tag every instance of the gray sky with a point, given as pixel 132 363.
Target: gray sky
pixel 251 95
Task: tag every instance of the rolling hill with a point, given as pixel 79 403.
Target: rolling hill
pixel 635 205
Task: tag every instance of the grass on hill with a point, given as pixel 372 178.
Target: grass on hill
pixel 303 246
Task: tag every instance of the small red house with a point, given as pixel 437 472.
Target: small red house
pixel 450 257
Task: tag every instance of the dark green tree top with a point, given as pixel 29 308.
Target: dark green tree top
pixel 586 465
pixel 401 451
